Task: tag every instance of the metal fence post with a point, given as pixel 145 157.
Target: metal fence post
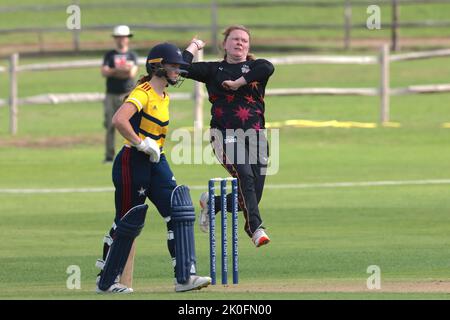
pixel 384 86
pixel 394 30
pixel 214 27
pixel 13 100
pixel 348 24
pixel 76 32
pixel 76 39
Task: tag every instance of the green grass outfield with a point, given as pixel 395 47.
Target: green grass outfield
pixel 323 239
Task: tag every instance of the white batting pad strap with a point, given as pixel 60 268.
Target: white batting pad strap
pixel 167 219
pixel 174 262
pixel 100 264
pixel 170 235
pixel 108 240
pixel 114 226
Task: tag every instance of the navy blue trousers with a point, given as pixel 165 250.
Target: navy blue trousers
pixel 135 179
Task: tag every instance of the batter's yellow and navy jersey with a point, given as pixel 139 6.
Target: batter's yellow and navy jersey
pixel 152 118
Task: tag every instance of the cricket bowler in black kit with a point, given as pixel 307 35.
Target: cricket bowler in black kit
pixel 236 88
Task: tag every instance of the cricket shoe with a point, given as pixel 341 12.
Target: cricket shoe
pixel 194 283
pixel 260 237
pixel 204 214
pixel 115 288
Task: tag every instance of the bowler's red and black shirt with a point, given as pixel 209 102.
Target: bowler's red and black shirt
pixel 240 109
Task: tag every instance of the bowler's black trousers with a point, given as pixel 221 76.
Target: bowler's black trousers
pixel 244 154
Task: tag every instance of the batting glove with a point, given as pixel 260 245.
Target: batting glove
pixel 150 147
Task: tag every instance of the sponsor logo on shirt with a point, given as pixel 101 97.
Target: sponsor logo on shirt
pixel 245 68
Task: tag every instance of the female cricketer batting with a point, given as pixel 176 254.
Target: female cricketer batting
pixel 141 171
pixel 236 87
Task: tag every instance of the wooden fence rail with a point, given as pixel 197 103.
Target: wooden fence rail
pixel 420 55
pixel 383 90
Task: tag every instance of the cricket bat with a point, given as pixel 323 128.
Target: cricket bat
pixel 127 275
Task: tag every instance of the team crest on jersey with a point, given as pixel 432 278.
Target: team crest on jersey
pixel 245 68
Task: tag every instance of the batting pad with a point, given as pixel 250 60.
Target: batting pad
pixel 128 229
pixel 183 217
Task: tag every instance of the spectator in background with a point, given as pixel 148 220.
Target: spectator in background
pixel 119 68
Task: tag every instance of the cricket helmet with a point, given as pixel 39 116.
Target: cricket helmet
pixel 164 53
